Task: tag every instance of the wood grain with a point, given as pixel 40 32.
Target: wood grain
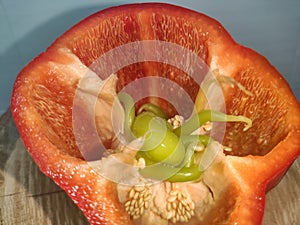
pixel 28 197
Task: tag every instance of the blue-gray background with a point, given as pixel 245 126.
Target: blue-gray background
pixel 271 27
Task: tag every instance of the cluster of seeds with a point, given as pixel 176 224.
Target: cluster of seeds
pixel 139 198
pixel 180 208
pixel 176 121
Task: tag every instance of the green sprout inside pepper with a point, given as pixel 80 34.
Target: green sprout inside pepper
pixel 170 153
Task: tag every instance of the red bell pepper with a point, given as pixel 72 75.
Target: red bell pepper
pixel 44 91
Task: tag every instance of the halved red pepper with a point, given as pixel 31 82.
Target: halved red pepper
pixel 44 91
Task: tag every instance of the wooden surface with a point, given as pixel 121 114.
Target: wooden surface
pixel 28 197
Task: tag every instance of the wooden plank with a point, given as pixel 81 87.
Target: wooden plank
pixel 283 201
pixel 28 197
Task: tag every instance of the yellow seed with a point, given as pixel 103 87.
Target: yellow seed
pixel 171 198
pixel 141 202
pixel 176 123
pixel 174 219
pixel 188 214
pixel 147 198
pixel 136 195
pixel 132 202
pixel 174 205
pixel 136 211
pixel 192 213
pixel 184 202
pixel 182 219
pixel 136 204
pixel 180 196
pixel 180 206
pixel 207 126
pixel 142 211
pixel 183 211
pixel 136 217
pixel 169 206
pixel 172 185
pixel 186 219
pixel 139 188
pixel 127 203
pixel 131 193
pixel 169 215
pixel 141 163
pixel 192 205
pixel 131 208
pixel 174 192
pixel 147 205
pixel 199 148
pixel 179 212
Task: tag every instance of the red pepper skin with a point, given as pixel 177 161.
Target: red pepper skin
pixel 250 176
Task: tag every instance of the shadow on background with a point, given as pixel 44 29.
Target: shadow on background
pixel 46 34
